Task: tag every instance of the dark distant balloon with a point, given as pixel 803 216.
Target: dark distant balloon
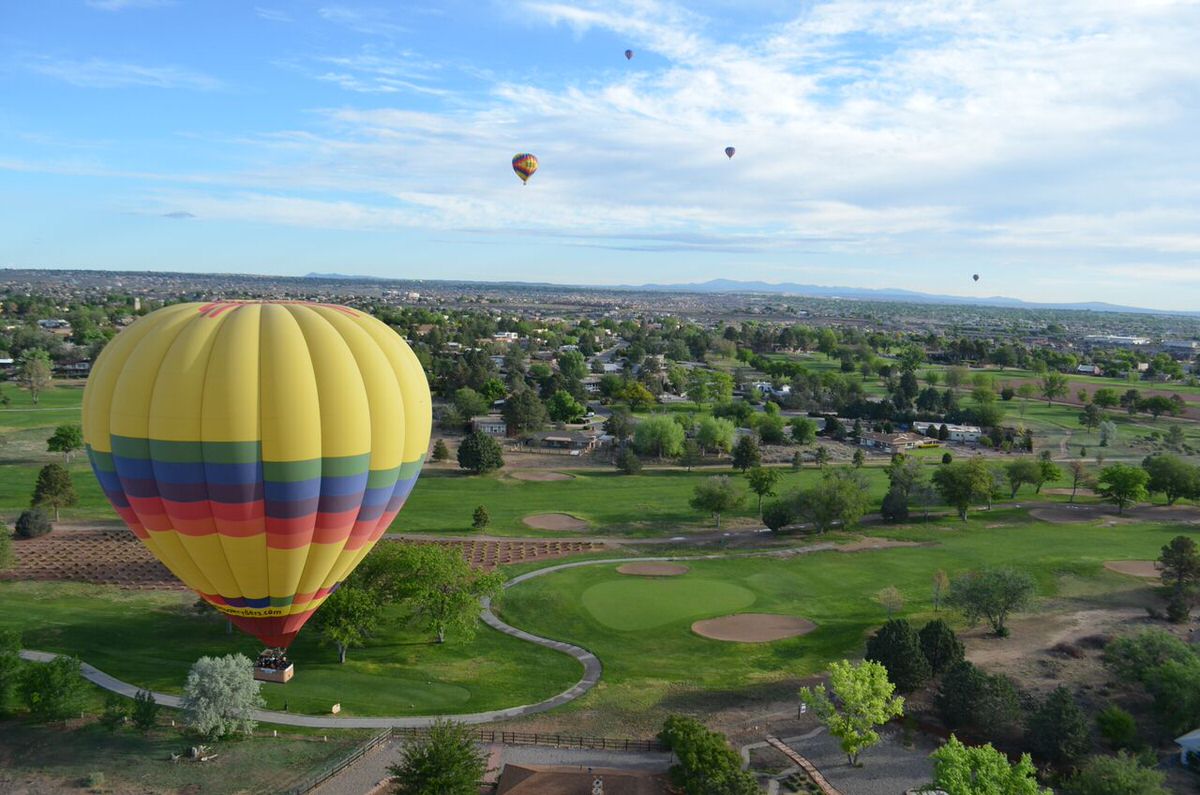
pixel 729 150
pixel 975 277
pixel 629 55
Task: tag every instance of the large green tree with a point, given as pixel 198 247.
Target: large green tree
pixel 964 483
pixel 982 770
pixel 715 434
pixel 1180 565
pixel 479 453
pixel 762 482
pixel 54 489
pixel 35 373
pixel 717 495
pixel 897 647
pixel 862 700
pixel 523 412
pixel 705 763
pixel 55 690
pixel 1172 477
pixel 746 453
pixel 446 591
pixel 1058 729
pixel 991 594
pixel 220 696
pixel 445 761
pixel 1122 485
pixel 1122 774
pixel 348 618
pixel 66 439
pixel 659 436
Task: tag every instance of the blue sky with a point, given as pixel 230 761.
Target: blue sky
pixel 1049 147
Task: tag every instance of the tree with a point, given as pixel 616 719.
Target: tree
pixel 10 667
pixel 1079 477
pixel 480 518
pixel 1180 565
pixel 962 483
pixel 715 434
pixel 66 439
pixel 804 430
pixel 659 436
pixel 859 458
pixel 636 395
pixel 897 647
pixel 746 453
pixel 821 455
pixel 440 451
pixel 1053 385
pixel 717 495
pixel 33 523
pixel 1091 416
pixel 627 461
pixel 982 770
pixel 1133 658
pixel 523 412
pixel 1122 774
pixel 991 594
pixel 445 761
pixel 1020 472
pixel 778 514
pixel 691 456
pixel 1172 477
pixel 941 647
pixel 890 599
pixel 941 586
pixel 144 713
pixel 762 482
pixel 706 765
pixel 619 424
pixel 115 713
pixel 34 372
pixel 839 499
pixel 1122 485
pixel 572 365
pixel 1058 729
pixel 479 453
pixel 446 591
pixel 349 616
pixel 220 696
pixel 54 489
pixel 55 690
pixel 864 701
pixel 1158 405
pixel 470 403
pixel 563 407
pixel 5 546
pixel 971 699
pixel 895 505
pixel 1047 472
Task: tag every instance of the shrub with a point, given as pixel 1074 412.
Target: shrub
pixel 220 695
pixel 53 690
pixel 1116 775
pixel 145 711
pixel 114 713
pixel 33 523
pixel 1117 727
pixel 778 514
pixel 628 461
pixel 971 699
pixel 707 764
pixel 445 761
pixel 480 519
pixel 1058 729
pixel 440 451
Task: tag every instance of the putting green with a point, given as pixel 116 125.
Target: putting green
pixel 632 604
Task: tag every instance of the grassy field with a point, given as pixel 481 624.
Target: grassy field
pixel 44 758
pixel 151 639
pixel 652 659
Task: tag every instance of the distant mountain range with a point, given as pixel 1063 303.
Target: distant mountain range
pixel 819 291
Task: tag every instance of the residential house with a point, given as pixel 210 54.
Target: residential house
pixel 1189 746
pixel 573 442
pixel 958 433
pixel 893 443
pixel 491 424
pixel 1088 369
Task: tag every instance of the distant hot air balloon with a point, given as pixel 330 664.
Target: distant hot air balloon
pixel 729 151
pixel 629 55
pixel 975 277
pixel 525 164
pixel 259 449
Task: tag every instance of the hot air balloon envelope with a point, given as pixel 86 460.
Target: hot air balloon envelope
pixel 975 277
pixel 729 151
pixel 629 55
pixel 524 164
pixel 258 449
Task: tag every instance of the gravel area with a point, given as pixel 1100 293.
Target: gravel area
pixel 887 769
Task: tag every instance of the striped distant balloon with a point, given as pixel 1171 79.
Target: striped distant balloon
pixel 259 449
pixel 525 164
pixel 730 151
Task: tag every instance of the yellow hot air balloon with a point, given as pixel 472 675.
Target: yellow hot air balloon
pixel 259 449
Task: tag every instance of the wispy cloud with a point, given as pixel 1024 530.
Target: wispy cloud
pixel 101 73
pixel 368 21
pixel 272 14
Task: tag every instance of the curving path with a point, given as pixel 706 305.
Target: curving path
pixel 591 663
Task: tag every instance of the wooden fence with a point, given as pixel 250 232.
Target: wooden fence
pixel 317 779
pixel 809 769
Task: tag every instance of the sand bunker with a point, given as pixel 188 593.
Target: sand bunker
pixel 753 627
pixel 556 521
pixel 652 569
pixel 1134 568
pixel 539 475
pixel 877 543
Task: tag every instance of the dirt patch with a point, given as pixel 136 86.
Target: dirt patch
pixel 1066 514
pixel 1134 568
pixel 116 557
pixel 878 543
pixel 556 521
pixel 539 475
pixel 653 569
pixel 753 627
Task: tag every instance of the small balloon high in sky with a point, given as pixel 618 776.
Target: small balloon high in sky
pixel 730 152
pixel 258 449
pixel 524 164
pixel 629 55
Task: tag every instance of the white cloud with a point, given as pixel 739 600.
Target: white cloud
pixel 272 14
pixel 101 73
pixel 122 5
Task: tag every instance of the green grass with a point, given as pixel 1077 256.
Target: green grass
pixel 637 604
pixel 151 639
pixel 649 667
pixel 133 763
